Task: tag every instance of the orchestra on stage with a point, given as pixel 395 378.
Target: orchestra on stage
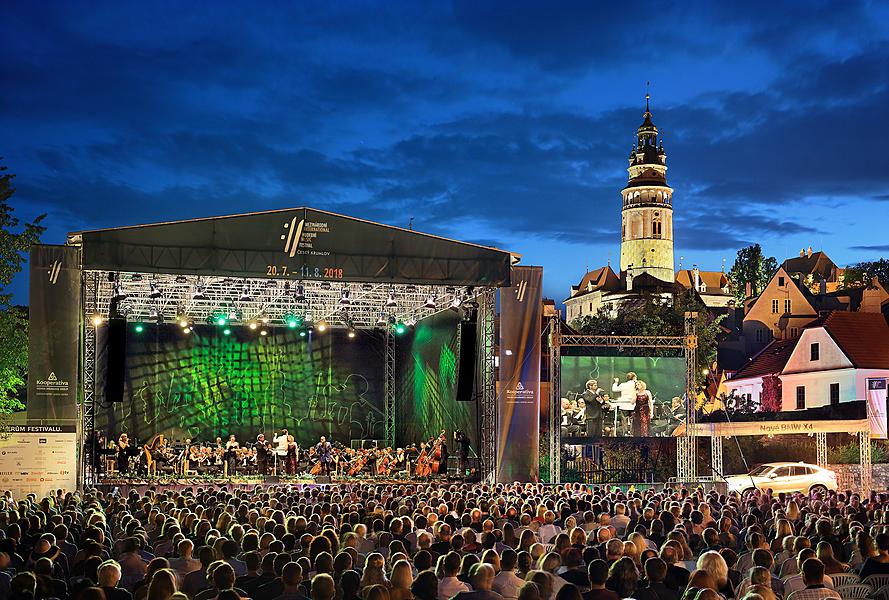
pixel 279 456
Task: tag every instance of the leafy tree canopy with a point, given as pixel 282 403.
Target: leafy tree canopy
pixel 862 274
pixel 751 265
pixel 14 242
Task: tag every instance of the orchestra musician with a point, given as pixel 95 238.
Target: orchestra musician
pixel 292 456
pixel 123 454
pixel 463 444
pixel 323 451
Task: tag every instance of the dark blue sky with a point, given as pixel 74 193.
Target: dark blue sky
pixel 506 123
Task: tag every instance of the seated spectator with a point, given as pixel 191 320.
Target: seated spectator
pixel 597 574
pixel 879 564
pixel 813 577
pixel 654 587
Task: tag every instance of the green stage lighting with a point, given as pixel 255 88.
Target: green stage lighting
pixel 302 333
pixel 226 331
pixel 221 321
pixel 139 328
pixel 293 321
pixel 400 328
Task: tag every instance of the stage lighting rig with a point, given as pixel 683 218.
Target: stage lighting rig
pixel 154 290
pixel 390 301
pixel 119 293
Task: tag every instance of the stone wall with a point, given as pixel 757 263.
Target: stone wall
pixel 849 476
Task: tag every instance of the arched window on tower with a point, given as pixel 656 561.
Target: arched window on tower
pixel 623 228
pixel 656 226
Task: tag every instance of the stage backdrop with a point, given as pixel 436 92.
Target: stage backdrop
pixel 426 366
pixel 208 384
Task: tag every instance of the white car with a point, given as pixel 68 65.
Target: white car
pixel 785 477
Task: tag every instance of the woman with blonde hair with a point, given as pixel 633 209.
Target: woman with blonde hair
pixel 526 540
pixel 782 530
pixel 373 571
pixel 632 552
pixel 714 564
pixel 162 586
pixel 401 582
pixel 643 410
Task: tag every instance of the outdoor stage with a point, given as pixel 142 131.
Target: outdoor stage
pixel 298 319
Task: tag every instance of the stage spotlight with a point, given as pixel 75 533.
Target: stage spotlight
pixel 245 294
pixel 186 329
pixel 400 328
pixel 96 320
pixel 381 320
pixel 263 332
pixel 252 325
pixel 226 331
pixel 300 294
pixel 322 326
pixel 118 294
pixel 302 333
pixel 430 301
pixel 139 328
pixel 220 320
pixel 183 322
pixel 390 301
pixel 351 333
pixel 292 321
pixel 411 324
pixel 154 290
pixel 345 300
pixel 265 319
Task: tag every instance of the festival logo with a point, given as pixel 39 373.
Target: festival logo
pixel 52 386
pixel 291 238
pixel 54 269
pixel 520 290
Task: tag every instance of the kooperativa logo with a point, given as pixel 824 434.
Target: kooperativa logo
pixel 54 269
pixel 291 238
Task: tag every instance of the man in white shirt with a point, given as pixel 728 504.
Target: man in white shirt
pixel 626 402
pixel 548 530
pixel 795 583
pixel 186 563
pixel 280 444
pixel 620 520
pixel 450 586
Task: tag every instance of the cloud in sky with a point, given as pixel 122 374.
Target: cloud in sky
pixel 517 121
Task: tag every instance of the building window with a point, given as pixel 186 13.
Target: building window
pixel 787 306
pixel 800 397
pixel 794 332
pixel 781 281
pixel 814 352
pixel 759 335
pixel 774 307
pixel 834 394
pixel 656 226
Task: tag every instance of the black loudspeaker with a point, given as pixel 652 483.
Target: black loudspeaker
pixel 466 369
pixel 115 365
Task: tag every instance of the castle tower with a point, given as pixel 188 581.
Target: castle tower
pixel 646 238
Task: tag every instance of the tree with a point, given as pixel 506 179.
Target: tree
pixel 14 242
pixel 652 315
pixel 753 267
pixel 862 274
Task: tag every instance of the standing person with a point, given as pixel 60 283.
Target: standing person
pixel 292 456
pixel 231 454
pixel 443 450
pixel 123 454
pixel 626 402
pixel 262 455
pixel 595 408
pixel 323 452
pixel 642 413
pixel 463 444
pixel 280 448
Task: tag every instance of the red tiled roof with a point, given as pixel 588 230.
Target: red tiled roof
pixel 863 337
pixel 714 280
pixel 770 361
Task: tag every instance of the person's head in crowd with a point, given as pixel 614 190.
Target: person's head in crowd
pixel 530 591
pixel 623 577
pixel 812 572
pixel 108 574
pixel 882 542
pixel 93 593
pixel 569 592
pixel 376 592
pixel 23 585
pixel 350 585
pixel 162 585
pixel 223 576
pixel 763 591
pixel 713 563
pixel 425 586
pixel 614 549
pixel 292 576
pixel 655 570
pixel 597 572
pixel 402 575
pixel 544 583
pixel 701 579
pixel 323 587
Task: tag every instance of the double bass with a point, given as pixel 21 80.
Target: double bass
pixel 423 468
pixel 435 465
pixel 358 463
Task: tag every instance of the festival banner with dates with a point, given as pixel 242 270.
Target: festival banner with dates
pixel 301 243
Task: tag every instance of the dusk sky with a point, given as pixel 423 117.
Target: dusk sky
pixel 504 123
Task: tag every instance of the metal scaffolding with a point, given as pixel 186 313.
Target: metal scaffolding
pixel 487 387
pixel 716 443
pixel 686 446
pixel 865 460
pixel 390 385
pixel 86 476
pixel 821 449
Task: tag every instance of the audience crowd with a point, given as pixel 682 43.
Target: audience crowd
pixel 443 541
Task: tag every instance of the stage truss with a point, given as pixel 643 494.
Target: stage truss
pixel 268 303
pixel 686 445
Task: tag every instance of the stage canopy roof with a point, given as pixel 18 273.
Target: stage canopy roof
pixel 298 243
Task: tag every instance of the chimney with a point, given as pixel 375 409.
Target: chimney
pixel 748 289
pixel 629 281
pixel 809 253
pixel 697 278
pixel 802 252
pixel 822 286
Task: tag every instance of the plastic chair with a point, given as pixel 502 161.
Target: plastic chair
pixel 876 581
pixel 840 579
pixel 857 591
pixel 882 593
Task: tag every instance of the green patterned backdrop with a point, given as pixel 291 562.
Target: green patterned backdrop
pixel 207 384
pixel 426 364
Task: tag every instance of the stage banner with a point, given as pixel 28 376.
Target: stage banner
pixel 518 395
pixel 38 459
pixel 54 332
pixel 876 407
pixel 741 428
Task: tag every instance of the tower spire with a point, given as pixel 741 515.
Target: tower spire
pixel 647 97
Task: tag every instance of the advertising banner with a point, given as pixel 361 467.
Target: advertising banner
pixel 38 459
pixel 739 428
pixel 518 397
pixel 876 407
pixel 54 332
